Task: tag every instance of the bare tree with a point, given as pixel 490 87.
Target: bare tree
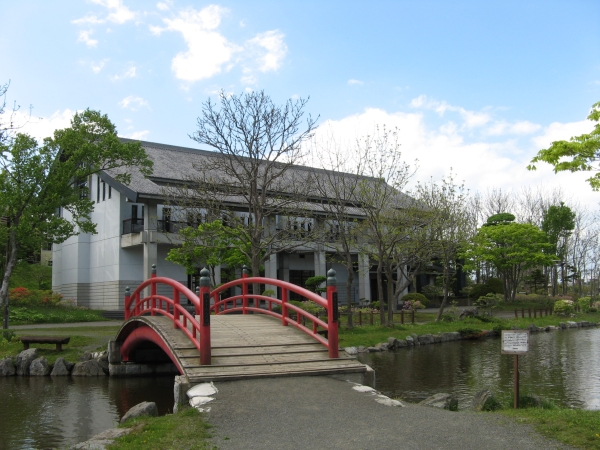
pixel 497 201
pixel 339 191
pixel 253 176
pixel 383 205
pixel 450 228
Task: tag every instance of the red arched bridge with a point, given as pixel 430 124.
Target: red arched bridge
pixel 241 336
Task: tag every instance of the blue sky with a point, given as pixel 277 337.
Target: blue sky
pixel 476 86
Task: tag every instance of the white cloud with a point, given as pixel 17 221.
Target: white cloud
pixel 208 51
pixel 141 135
pixel 499 128
pixel 471 119
pixel 84 36
pixel 41 127
pixel 561 132
pixel 163 6
pixel 134 103
pixel 129 73
pixel 90 19
pixel 353 82
pixel 97 67
pixel 480 163
pixel 118 13
pixel 272 46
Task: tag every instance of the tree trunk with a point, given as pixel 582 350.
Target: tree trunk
pixel 380 293
pixel 349 281
pixel 445 299
pixel 390 297
pixel 10 265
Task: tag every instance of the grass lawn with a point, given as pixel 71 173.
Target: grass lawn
pixel 53 314
pixel 82 339
pixel 371 335
pixel 574 427
pixel 186 429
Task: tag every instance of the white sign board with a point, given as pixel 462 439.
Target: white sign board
pixel 515 342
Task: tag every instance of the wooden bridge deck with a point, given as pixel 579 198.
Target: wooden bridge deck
pixel 252 346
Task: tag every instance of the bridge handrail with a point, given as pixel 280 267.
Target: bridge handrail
pixel 273 282
pixel 329 304
pixel 180 316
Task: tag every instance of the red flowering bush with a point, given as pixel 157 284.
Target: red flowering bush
pixel 21 296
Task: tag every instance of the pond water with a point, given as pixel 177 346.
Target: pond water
pixel 45 412
pixel 561 366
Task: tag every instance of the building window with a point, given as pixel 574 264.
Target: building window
pixel 109 191
pixel 83 189
pixel 98 191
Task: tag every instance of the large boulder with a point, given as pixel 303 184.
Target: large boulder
pixel 91 368
pixel 443 401
pixel 102 440
pixel 102 359
pixel 85 357
pixel 24 360
pixel 39 367
pixel 485 401
pixel 62 368
pixel 7 368
pixel 141 409
pixel 425 339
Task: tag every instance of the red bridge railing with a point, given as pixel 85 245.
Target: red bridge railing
pixel 198 331
pixel 281 308
pixel 136 304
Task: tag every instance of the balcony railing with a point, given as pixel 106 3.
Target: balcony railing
pixel 171 226
pixel 133 226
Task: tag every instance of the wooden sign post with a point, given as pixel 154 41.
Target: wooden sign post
pixel 515 342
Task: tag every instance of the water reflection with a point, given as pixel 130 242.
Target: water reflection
pixel 44 412
pixel 562 366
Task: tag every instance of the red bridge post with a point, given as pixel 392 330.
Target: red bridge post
pixel 332 316
pixel 153 291
pixel 127 303
pixel 205 317
pixel 244 291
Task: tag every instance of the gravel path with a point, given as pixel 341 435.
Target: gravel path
pixel 324 413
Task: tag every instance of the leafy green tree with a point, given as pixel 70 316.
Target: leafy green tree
pixel 580 153
pixel 512 248
pixel 210 244
pixel 44 196
pixel 559 223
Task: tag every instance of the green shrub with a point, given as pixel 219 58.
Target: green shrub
pixel 447 318
pixel 432 291
pixel 584 304
pixel 416 297
pixel 492 404
pixel 269 293
pixel 469 332
pixel 309 307
pixel 375 305
pixel 489 302
pixel 492 285
pixel 563 307
pixel 314 284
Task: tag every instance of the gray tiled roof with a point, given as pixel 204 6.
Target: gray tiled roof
pixel 177 165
